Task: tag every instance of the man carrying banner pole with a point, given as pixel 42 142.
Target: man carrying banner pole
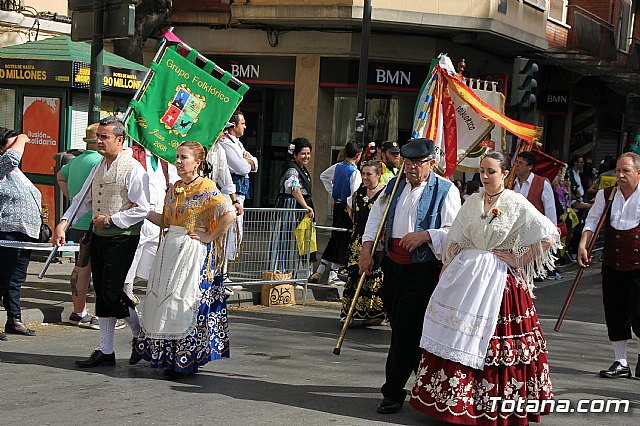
pixel 119 199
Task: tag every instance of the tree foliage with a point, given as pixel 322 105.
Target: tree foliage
pixel 150 17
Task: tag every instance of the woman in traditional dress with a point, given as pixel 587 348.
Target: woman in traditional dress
pixel 184 314
pixel 294 193
pixel 369 309
pixel 482 342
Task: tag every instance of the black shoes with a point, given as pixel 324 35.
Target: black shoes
pixel 388 406
pixel 176 375
pixel 98 359
pixel 638 368
pixel 17 327
pixel 134 358
pixel 3 336
pixel 616 371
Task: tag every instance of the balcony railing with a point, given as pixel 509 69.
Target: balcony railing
pixel 590 34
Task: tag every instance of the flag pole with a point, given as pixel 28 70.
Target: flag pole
pixel 83 195
pixel 426 109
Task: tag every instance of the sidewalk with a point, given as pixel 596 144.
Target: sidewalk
pixel 48 300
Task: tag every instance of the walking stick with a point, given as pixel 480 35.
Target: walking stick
pixel 352 308
pixel 592 242
pixel 425 111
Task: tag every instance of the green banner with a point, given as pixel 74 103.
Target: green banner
pixel 182 102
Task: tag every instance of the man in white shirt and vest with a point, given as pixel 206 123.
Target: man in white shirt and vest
pixel 421 213
pixel 537 190
pixel 119 200
pixel 534 188
pixel 621 261
pixel 241 163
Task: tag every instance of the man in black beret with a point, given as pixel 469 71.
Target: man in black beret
pixel 422 210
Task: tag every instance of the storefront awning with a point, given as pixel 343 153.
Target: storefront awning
pixel 60 62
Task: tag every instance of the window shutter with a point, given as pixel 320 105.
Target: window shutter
pixel 557 10
pixel 79 117
pixel 8 108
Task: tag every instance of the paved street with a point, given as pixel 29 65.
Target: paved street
pixel 282 370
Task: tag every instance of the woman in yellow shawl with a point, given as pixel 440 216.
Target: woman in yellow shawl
pixel 184 314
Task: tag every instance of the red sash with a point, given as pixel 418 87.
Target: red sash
pixel 398 254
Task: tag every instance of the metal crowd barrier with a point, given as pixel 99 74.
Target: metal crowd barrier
pixel 270 248
pixel 39 246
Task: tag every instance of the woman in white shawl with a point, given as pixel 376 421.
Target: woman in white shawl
pixel 184 313
pixel 481 339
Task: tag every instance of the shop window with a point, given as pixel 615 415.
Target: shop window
pixel 382 120
pixel 7 108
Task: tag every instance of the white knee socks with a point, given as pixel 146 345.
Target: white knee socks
pixel 107 333
pixel 322 266
pixel 133 322
pixel 620 351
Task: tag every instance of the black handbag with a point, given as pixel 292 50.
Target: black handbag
pixel 45 232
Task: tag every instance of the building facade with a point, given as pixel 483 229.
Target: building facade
pixel 301 60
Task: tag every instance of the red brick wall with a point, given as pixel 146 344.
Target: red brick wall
pixel 556 35
pixel 601 8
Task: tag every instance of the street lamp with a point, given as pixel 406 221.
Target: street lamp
pixel 362 74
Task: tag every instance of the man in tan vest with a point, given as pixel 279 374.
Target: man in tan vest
pixel 119 200
pixel 534 188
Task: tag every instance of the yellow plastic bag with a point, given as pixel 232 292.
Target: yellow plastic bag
pixel 306 237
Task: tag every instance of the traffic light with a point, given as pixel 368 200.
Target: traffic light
pixel 523 84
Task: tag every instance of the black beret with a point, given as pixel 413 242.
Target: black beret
pixel 417 148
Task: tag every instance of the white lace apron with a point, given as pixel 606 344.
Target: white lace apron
pixel 170 308
pixel 464 307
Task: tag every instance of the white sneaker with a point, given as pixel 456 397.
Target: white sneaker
pixel 226 279
pixel 299 287
pixel 315 278
pixel 555 276
pixel 227 292
pixel 120 324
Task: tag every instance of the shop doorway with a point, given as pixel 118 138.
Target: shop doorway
pixel 269 115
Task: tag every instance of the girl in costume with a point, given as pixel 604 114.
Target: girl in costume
pixel 369 309
pixel 184 314
pixel 294 193
pixel 482 342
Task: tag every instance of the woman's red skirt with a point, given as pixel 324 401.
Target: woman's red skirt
pixel 515 380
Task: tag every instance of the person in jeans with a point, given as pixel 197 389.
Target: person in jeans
pixel 20 208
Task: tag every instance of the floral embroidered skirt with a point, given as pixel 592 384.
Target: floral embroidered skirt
pixel 208 341
pixel 369 304
pixel 515 368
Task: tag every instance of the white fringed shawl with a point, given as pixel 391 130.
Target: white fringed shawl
pixel 519 228
pixel 463 309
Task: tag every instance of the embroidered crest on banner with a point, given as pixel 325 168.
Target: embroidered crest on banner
pixel 183 111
